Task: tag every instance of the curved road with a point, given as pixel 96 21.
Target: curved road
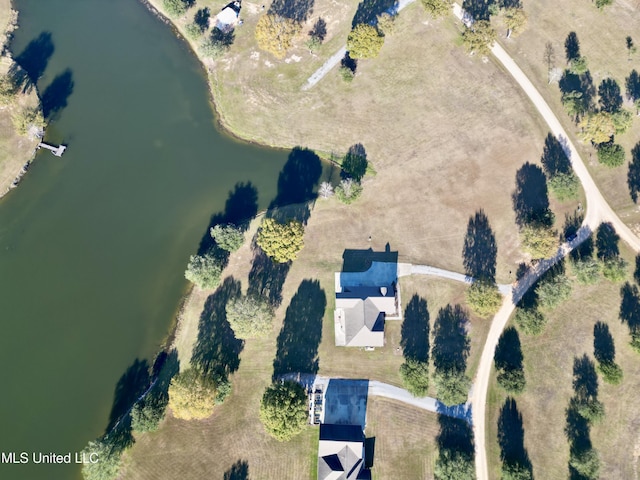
pixel 598 210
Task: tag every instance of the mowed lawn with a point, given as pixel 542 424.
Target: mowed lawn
pixel 602 37
pixel 548 363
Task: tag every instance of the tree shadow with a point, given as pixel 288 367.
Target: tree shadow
pixel 511 436
pixel 633 175
pixel 350 63
pixel 241 206
pixel 301 331
pixel 480 249
pixel 361 260
pixel 607 241
pixel 267 277
pixel 585 379
pixel 508 355
pixel 201 18
pixel 603 347
pixel 296 186
pixel 238 471
pixel 368 11
pixel 415 330
pixel 636 272
pixel 632 84
pixel 450 342
pixel 572 47
pixel 217 350
pixel 610 97
pixel 630 306
pixel 35 57
pixel 55 96
pixel 578 433
pixel 554 160
pixel 455 435
pixel 511 4
pixel 572 82
pixel 297 10
pixel 478 9
pixel 165 367
pixel 319 30
pixel 530 198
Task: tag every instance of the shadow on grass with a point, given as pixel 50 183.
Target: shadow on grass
pixel 360 260
pixel 630 307
pixel 298 10
pixel 55 96
pixel 415 330
pixel 585 379
pixel 450 342
pixel 633 175
pixel 217 350
pixel 607 241
pixel 530 198
pixel 554 160
pixel 480 249
pixel 35 57
pixel 609 95
pixel 267 277
pixel 241 206
pixel 604 348
pixel 508 354
pixel 455 435
pixel 165 367
pixel 368 11
pixel 511 437
pixel 297 183
pixel 201 18
pixel 301 332
pixel 479 9
pixel 572 47
pixel 238 471
pixel 636 272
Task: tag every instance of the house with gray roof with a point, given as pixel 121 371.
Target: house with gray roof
pixel 341 453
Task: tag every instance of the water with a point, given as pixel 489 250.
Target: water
pixel 93 245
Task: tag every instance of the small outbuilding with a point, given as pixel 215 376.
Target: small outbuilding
pixel 227 19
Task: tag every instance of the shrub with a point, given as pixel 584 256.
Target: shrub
pixel 514 470
pixel 348 191
pixel 452 387
pixel 217 44
pixel 603 3
pixel 28 119
pixel 204 271
pixel 415 376
pixel 176 8
pixel 147 414
pixel 512 380
pixel 579 66
pixel 484 298
pixel 347 74
pixel 355 163
pixel 479 37
pixel 223 390
pixel 228 237
pixel 530 320
pixel 325 190
pixel 274 34
pixel 364 41
pixel 564 186
pixel 283 410
pixel 437 8
pixel 554 290
pixel 539 241
pixel 587 271
pixel 611 372
pixel 597 127
pixel 614 269
pixel 281 242
pixel 622 120
pixel 194 31
pixel 249 317
pixel 592 410
pixel 610 154
pixel 110 460
pixel 192 395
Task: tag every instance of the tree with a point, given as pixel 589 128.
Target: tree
pixel 597 127
pixel 176 8
pixel 484 298
pixel 228 237
pixel 514 470
pixel 364 41
pixel 512 380
pixel 452 386
pixel 274 34
pixel 415 376
pixel 250 316
pixel 192 395
pixel 539 240
pixel 614 269
pixel 575 103
pixel 147 414
pixel 553 290
pixel 325 190
pixel 437 8
pixel 610 154
pixel 610 96
pixel 348 191
pixel 204 271
pixel 454 465
pixel 611 372
pixel 109 460
pixel 579 66
pixel 515 18
pixel 622 120
pixel 585 461
pixel 283 410
pixel 479 37
pixel 587 271
pixel 530 320
pixel 8 89
pixel 564 186
pixel 355 162
pixel 281 242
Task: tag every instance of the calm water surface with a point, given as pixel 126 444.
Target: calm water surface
pixel 93 245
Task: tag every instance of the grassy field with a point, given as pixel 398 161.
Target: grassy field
pixel 548 363
pixel 15 150
pixel 602 41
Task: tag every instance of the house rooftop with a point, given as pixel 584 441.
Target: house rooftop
pixel 341 453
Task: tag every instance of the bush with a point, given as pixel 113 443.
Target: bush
pixel 479 37
pixel 176 8
pixel 622 120
pixel 281 242
pixel 614 269
pixel 539 241
pixel 512 380
pixel 347 74
pixel 415 376
pixel 610 154
pixel 249 317
pixel 579 66
pixel 484 298
pixel 348 191
pixel 452 387
pixel 109 460
pixel 587 271
pixel 364 41
pixel 275 34
pixel 553 290
pixel 228 237
pixel 355 163
pixel 592 410
pixel 454 465
pixel 514 470
pixel 530 320
pixel 564 186
pixel 192 395
pixel 194 31
pixel 283 410
pixel 603 3
pixel 203 271
pixel 223 390
pixel 597 127
pixel 27 119
pixel 611 372
pixel 437 8
pixel 217 44
pixel 147 414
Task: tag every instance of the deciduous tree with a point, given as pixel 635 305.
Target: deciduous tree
pixel 249 316
pixel 484 298
pixel 479 37
pixel 610 154
pixel 415 376
pixel 515 18
pixel 364 41
pixel 283 410
pixel 281 242
pixel 192 395
pixel 204 271
pixel 275 34
pixel 228 237
pixel 437 8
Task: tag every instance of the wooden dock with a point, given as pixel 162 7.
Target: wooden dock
pixel 57 151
